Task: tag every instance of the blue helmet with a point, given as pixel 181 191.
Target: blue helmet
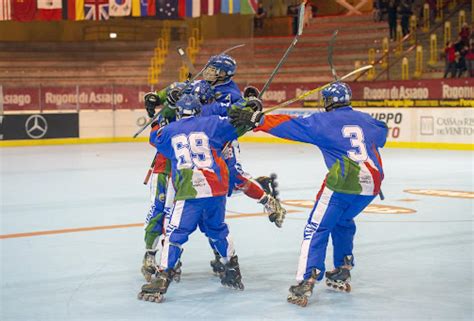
pixel 203 91
pixel 338 94
pixel 219 68
pixel 188 105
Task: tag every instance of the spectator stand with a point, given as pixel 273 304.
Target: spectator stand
pixel 421 46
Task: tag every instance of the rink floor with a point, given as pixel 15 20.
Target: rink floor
pixel 409 266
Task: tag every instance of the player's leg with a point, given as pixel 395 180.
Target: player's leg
pixel 218 232
pixel 343 243
pixel 263 191
pixel 154 224
pixel 324 216
pixel 185 216
pixel 216 264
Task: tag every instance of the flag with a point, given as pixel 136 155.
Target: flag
pixel 139 8
pixel 49 10
pixel 151 9
pixel 23 10
pixel 120 8
pixel 5 10
pixel 181 8
pixel 73 10
pixel 248 6
pixel 210 7
pixel 96 9
pixel 167 9
pixel 193 8
pixel 80 10
pixel 230 6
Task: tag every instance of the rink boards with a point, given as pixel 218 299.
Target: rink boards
pixel 442 128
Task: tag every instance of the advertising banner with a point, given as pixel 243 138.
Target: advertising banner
pixel 39 126
pixel 419 93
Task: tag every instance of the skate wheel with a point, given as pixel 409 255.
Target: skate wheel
pixel 140 296
pixel 303 302
pixel 273 176
pixel 348 288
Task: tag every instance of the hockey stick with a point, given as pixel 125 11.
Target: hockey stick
pixel 187 61
pixel 330 54
pixel 292 45
pixel 306 94
pixel 189 82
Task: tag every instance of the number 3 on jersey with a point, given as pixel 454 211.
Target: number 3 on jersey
pixel 192 150
pixel 356 135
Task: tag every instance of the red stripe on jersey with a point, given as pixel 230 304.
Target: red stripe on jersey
pixel 219 186
pixel 379 159
pixel 160 164
pixel 321 190
pixel 272 121
pixel 154 129
pixel 375 176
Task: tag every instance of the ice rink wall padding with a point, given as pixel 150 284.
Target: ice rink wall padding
pixel 442 128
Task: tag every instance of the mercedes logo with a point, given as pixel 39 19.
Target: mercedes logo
pixel 36 126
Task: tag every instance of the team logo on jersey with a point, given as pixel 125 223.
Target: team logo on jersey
pixel 36 126
pixel 371 209
pixel 441 193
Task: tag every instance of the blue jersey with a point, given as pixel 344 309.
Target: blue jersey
pixel 349 141
pixel 227 94
pixel 194 146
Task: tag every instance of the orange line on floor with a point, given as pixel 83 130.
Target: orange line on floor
pixel 111 227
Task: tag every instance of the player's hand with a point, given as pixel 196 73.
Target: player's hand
pixel 245 117
pixel 151 101
pixel 254 103
pixel 173 96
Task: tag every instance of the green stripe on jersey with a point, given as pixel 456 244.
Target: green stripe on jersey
pixel 349 183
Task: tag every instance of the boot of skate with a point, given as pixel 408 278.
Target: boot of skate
pixel 339 278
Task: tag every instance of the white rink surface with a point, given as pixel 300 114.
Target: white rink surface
pixel 408 267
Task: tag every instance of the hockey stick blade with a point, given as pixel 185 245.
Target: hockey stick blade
pixel 330 54
pixel 287 52
pixel 306 94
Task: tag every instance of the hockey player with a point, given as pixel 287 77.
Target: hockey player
pixel 155 221
pixel 200 178
pixel 349 141
pixel 219 73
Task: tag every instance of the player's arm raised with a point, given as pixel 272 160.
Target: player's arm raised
pixel 301 129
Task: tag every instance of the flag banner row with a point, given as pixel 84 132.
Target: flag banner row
pixel 50 10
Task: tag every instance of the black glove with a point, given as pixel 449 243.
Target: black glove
pixel 173 96
pixel 245 117
pixel 151 101
pixel 254 103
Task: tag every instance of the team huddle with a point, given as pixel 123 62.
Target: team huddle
pixel 197 166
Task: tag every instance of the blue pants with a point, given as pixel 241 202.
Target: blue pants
pixel 155 217
pixel 333 214
pixel 185 217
